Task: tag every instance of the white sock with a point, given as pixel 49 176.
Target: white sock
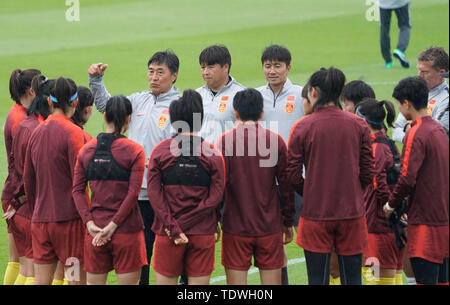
pixel 411 280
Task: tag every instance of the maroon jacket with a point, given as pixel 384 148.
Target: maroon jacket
pixel 335 148
pixel 49 166
pixel 19 149
pixel 255 159
pixel 185 209
pixel 378 192
pixel 16 115
pixel 425 174
pixel 111 200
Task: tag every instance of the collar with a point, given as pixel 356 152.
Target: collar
pixel 287 84
pixel 439 88
pixel 173 91
pixel 230 83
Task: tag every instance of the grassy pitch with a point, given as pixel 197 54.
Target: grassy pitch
pixel 125 33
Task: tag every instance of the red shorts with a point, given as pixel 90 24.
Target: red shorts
pixel 125 253
pixel 53 241
pixel 348 237
pixel 5 205
pixel 428 242
pixel 196 257
pixel 237 251
pixel 21 229
pixel 383 248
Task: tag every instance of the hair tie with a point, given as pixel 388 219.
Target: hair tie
pixel 53 99
pixel 20 71
pixel 368 121
pixel 73 97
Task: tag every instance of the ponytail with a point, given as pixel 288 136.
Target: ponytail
pixel 63 93
pixel 118 108
pixel 374 113
pixel 390 108
pixel 329 84
pixel 41 86
pixel 20 82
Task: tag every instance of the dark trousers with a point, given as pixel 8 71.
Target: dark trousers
pixel 147 215
pixel 429 273
pixel 318 268
pixel 404 24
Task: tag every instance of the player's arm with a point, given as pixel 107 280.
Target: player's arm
pixel 79 194
pixel 101 95
pixel 381 187
pixel 295 160
pixel 413 156
pixel 215 195
pixel 286 191
pixel 157 197
pixel 134 188
pixel 366 160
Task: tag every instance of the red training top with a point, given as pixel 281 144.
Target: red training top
pixel 425 174
pixel 255 204
pixel 19 149
pixel 335 148
pixel 111 200
pixel 180 208
pixel 16 115
pixel 49 165
pixel 377 194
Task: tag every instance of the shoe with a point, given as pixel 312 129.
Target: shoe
pixel 402 57
pixel 389 65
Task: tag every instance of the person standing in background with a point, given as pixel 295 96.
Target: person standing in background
pixel 401 9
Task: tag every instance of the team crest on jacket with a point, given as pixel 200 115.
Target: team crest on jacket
pixel 289 107
pixel 431 106
pixel 163 118
pixel 223 104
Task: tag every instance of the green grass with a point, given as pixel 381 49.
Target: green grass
pixel 125 34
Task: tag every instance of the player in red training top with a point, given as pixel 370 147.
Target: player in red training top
pixel 382 248
pixel 335 148
pixel 424 179
pixel 56 227
pixel 114 168
pixel 186 180
pixel 22 94
pixel 259 201
pixel 19 213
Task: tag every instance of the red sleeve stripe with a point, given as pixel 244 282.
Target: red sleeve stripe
pixel 374 151
pixel 407 155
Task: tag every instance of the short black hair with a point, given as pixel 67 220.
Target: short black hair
pixel 249 104
pixel 118 108
pixel 276 52
pixel 216 54
pixel 184 108
pixel 166 57
pixel 356 91
pixel 413 89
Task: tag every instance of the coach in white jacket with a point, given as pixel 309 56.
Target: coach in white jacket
pixel 283 106
pixel 432 63
pixel 217 93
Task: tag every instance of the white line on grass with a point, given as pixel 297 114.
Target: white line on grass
pixel 255 270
